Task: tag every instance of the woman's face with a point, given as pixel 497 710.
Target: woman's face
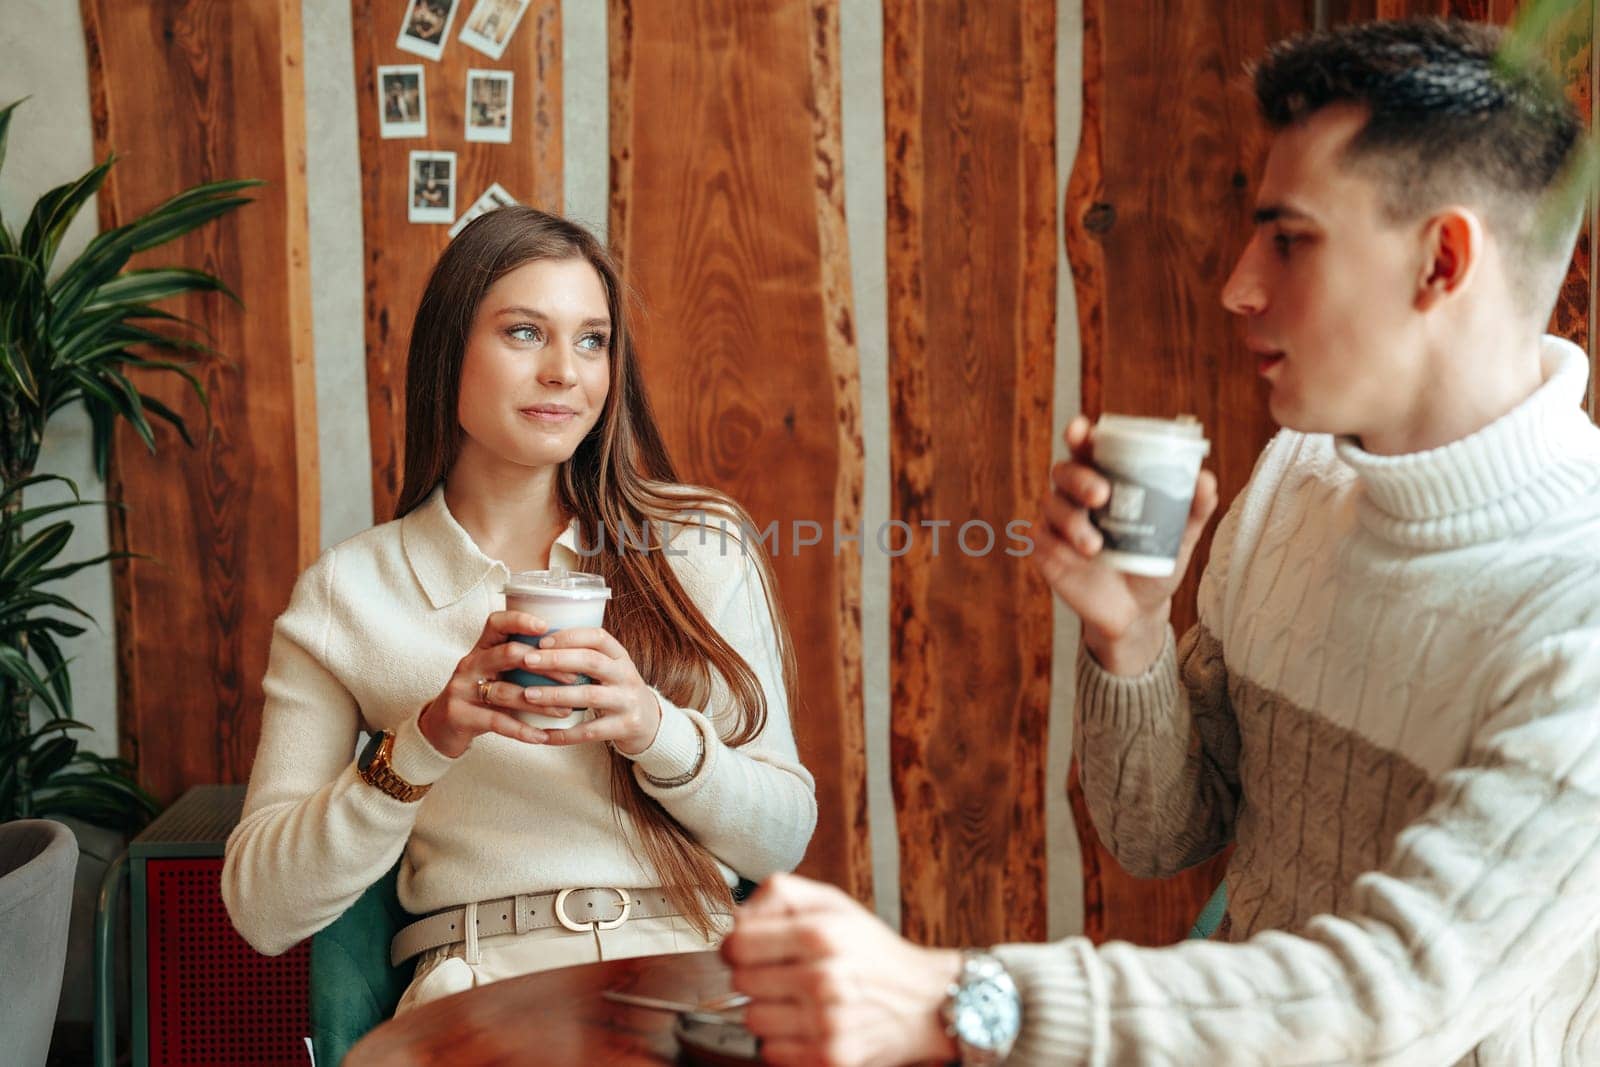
pixel 537 366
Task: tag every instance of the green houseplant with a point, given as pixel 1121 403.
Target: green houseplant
pixel 72 334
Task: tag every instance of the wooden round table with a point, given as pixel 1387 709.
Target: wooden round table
pixel 553 1017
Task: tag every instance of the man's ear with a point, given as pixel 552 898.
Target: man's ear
pixel 1452 245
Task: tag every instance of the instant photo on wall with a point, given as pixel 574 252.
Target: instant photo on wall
pixel 491 24
pixel 489 106
pixel 425 27
pixel 402 101
pixel 433 187
pixel 492 197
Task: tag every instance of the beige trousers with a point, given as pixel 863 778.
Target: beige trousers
pixel 454 968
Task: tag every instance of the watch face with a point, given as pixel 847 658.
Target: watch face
pixel 365 759
pixel 987 1015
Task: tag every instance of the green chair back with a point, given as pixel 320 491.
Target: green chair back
pixel 353 986
pixel 1210 917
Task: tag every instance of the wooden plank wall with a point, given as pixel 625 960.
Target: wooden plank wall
pixel 1156 213
pixel 727 211
pixel 400 254
pixel 175 87
pixel 970 114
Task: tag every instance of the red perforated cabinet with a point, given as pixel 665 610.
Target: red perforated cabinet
pixel 202 997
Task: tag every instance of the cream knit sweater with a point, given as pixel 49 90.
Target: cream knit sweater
pixel 373 631
pixel 1391 703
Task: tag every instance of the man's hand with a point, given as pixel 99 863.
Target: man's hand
pixel 830 984
pixel 1124 615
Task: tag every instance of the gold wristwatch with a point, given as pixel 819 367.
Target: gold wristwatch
pixel 373 766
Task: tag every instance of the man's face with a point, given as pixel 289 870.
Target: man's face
pixel 1328 288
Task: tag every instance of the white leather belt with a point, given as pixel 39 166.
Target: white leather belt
pixel 579 910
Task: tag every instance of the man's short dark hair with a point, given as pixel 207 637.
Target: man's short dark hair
pixel 1450 120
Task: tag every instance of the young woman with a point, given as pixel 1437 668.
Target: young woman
pixel 529 445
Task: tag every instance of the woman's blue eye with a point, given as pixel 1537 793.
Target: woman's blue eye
pixel 1283 242
pixel 594 342
pixel 524 333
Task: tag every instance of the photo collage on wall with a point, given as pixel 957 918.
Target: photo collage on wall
pixel 403 101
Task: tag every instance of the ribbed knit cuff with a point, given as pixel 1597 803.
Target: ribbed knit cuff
pixel 1128 701
pixel 1056 982
pixel 676 747
pixel 414 758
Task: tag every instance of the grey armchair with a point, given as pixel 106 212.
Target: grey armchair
pixel 38 859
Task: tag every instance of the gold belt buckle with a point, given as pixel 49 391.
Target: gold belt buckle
pixel 593 924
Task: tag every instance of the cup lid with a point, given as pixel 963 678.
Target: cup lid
pixel 574 585
pixel 1181 426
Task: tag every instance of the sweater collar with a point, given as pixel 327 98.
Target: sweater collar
pixel 446 560
pixel 1506 477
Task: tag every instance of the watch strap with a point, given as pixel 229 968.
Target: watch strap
pixel 380 774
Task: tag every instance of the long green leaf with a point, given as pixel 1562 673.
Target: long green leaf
pixel 55 664
pixel 110 251
pixel 6 492
pixel 102 427
pixel 52 756
pixel 19 370
pixel 5 126
pixel 168 224
pixel 34 552
pixel 157 284
pixel 16 666
pixel 167 415
pixel 20 519
pixel 207 191
pixel 22 291
pixel 121 337
pixel 99 801
pixel 54 212
pixel 105 335
pixel 46 624
pixel 66 570
pixel 58 726
pixel 71 336
pixel 130 407
pixel 181 369
pixel 37 600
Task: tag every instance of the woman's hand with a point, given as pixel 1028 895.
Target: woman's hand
pixel 626 710
pixel 464 708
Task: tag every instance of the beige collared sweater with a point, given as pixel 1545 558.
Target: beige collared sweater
pixel 1391 703
pixel 373 631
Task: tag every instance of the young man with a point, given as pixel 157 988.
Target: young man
pixel 1391 702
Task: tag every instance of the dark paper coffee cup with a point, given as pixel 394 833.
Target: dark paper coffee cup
pixel 1152 465
pixel 564 600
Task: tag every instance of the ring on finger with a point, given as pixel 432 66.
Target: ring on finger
pixel 484 687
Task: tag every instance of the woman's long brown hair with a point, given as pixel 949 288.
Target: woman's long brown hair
pixel 619 479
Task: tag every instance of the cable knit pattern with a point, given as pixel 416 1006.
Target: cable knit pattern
pixel 373 631
pixel 1392 704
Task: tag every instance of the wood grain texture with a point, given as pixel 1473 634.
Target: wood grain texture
pixel 188 91
pixel 727 212
pixel 552 1017
pixel 970 121
pixel 1156 213
pixel 1365 10
pixel 399 254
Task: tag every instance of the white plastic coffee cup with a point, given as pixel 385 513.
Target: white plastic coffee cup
pixel 565 600
pixel 1152 465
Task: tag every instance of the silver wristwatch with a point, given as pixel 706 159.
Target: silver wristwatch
pixel 982 1010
